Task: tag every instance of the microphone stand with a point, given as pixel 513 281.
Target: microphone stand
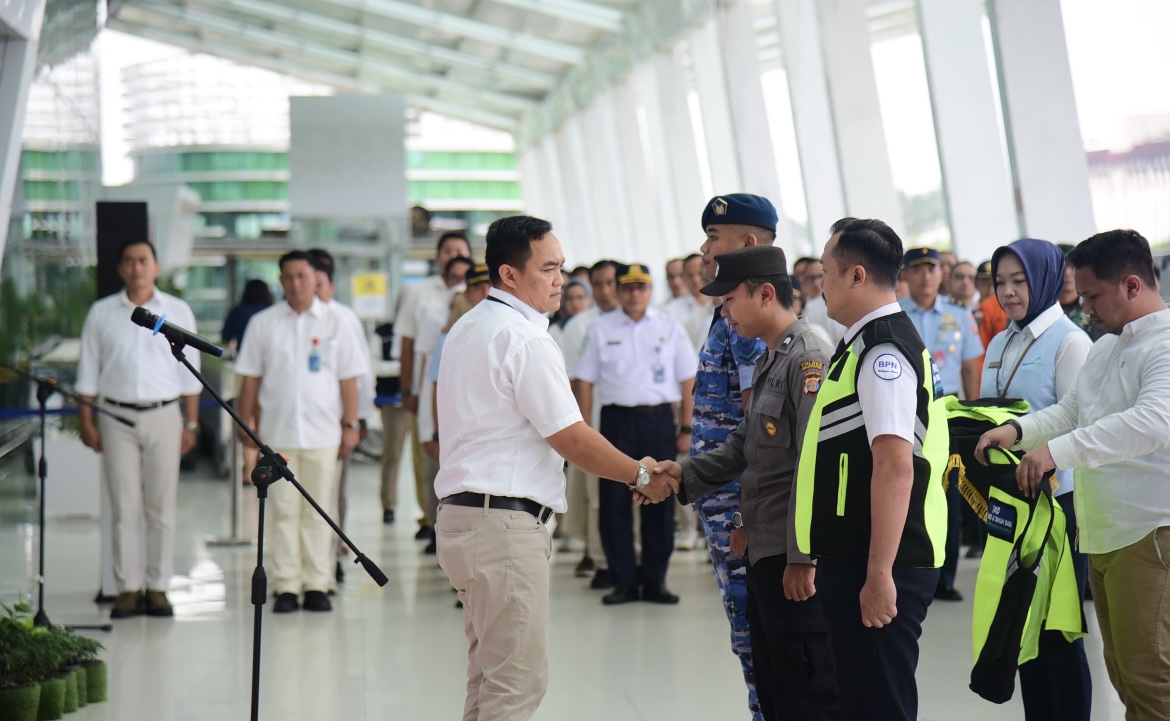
pixel 45 389
pixel 269 469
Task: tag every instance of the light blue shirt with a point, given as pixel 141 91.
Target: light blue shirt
pixel 950 335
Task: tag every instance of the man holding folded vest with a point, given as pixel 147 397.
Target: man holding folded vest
pixel 869 499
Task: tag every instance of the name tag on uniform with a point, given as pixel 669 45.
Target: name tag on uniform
pixel 993 364
pixel 613 342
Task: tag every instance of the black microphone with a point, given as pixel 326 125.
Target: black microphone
pixel 146 319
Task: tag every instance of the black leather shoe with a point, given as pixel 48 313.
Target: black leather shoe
pixel 947 593
pixel 286 603
pixel 317 601
pixel 659 595
pixel 425 533
pixel 340 573
pixel 432 548
pixel 458 604
pixel 601 580
pixel 585 568
pixel 621 595
pixel 974 552
pixel 387 517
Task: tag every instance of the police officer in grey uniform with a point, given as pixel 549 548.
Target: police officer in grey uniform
pixel 791 650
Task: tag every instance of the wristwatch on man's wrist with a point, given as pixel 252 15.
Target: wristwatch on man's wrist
pixel 191 426
pixel 643 479
pixel 356 425
pixel 737 520
pixel 684 430
pixel 1019 429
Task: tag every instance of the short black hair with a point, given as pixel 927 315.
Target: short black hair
pixel 781 282
pixel 133 242
pixel 509 242
pixel 456 260
pixel 602 265
pixel 1114 254
pixel 256 292
pixel 451 235
pixel 870 243
pixel 580 269
pixel 691 257
pixel 322 260
pixel 294 255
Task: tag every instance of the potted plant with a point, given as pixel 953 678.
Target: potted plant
pixel 90 670
pixel 49 651
pixel 20 694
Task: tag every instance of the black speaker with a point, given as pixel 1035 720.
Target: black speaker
pixel 117 223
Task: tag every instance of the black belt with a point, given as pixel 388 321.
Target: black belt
pixel 506 503
pixel 637 410
pixel 140 406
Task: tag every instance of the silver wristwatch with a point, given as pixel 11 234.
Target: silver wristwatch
pixel 737 520
pixel 643 477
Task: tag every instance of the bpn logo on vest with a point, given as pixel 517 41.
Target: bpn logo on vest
pixel 887 367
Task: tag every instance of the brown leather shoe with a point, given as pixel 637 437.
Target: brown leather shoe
pixel 157 604
pixel 127 604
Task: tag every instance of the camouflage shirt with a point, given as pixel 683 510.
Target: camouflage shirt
pixel 726 365
pixel 1076 313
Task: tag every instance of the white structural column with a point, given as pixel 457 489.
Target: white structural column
pixel 643 241
pixel 857 118
pixel 20 29
pixel 553 192
pixel 1049 169
pixel 532 182
pixel 660 165
pixel 975 175
pixel 679 136
pixel 607 179
pixel 749 114
pixel 718 128
pixel 579 233
pixel 812 114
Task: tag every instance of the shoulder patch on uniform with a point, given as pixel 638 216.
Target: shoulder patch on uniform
pixel 812 381
pixel 815 365
pixel 887 367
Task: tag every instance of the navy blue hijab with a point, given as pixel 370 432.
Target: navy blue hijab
pixel 1044 267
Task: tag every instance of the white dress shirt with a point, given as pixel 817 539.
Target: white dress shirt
pixel 637 364
pixel 572 337
pixel 365 381
pixel 698 324
pixel 1113 427
pixel 889 400
pixel 1069 357
pixel 125 362
pixel 299 407
pixel 422 303
pixel 503 390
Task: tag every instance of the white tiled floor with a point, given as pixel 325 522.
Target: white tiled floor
pixel 399 652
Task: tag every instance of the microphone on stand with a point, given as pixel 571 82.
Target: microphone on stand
pixel 159 324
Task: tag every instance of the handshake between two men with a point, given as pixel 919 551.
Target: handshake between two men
pixel 662 482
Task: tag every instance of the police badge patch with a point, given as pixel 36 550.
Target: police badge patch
pixel 812 381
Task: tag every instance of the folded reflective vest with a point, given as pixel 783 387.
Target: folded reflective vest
pixel 1026 582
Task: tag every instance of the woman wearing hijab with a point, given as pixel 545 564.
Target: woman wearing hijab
pixel 1037 358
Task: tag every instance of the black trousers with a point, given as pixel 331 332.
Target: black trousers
pixel 637 432
pixel 950 567
pixel 876 666
pixel 792 655
pixel 1057 685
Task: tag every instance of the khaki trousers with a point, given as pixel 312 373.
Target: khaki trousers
pixel 1131 592
pixel 140 467
pixel 498 560
pixel 302 548
pixel 418 458
pixel 395 421
pixel 581 518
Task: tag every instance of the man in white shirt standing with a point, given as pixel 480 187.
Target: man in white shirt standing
pixel 431 296
pixel 135 374
pixel 300 364
pixel 812 284
pixel 1113 429
pixel 506 420
pixel 326 290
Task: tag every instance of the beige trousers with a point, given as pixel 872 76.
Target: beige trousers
pixel 140 467
pixel 418 458
pixel 302 550
pixel 581 518
pixel 1131 592
pixel 395 422
pixel 498 561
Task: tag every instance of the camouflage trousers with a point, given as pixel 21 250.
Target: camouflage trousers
pixel 715 512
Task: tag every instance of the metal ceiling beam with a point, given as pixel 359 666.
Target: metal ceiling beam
pixel 363 66
pixel 464 27
pixel 394 43
pixel 576 11
pixel 305 71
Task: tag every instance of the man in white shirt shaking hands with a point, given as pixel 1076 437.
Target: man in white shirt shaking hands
pixel 1113 429
pixel 507 418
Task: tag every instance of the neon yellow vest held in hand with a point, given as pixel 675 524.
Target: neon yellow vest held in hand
pixel 834 479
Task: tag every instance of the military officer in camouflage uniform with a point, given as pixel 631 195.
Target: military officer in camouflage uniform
pixel 792 655
pixel 722 389
pixel 1071 301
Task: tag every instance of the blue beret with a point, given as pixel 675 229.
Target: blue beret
pixel 918 256
pixel 740 209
